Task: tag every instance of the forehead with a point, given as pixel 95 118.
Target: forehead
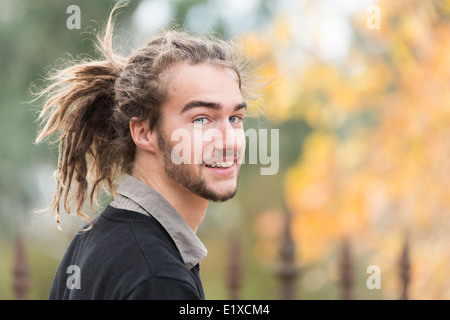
pixel 205 82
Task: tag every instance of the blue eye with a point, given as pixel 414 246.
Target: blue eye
pixel 235 119
pixel 200 121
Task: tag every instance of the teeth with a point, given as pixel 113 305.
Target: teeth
pixel 221 164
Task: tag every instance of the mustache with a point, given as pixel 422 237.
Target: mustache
pixel 222 155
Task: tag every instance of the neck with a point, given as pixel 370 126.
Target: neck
pixel 189 206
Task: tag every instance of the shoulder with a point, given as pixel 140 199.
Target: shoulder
pixel 121 253
pixel 125 235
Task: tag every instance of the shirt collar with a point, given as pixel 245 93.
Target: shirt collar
pixel 135 195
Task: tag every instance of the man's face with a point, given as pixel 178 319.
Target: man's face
pixel 206 109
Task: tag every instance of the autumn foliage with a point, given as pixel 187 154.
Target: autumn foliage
pixel 375 167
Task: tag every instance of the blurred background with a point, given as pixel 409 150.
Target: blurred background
pixel 359 208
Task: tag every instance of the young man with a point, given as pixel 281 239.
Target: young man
pixel 165 122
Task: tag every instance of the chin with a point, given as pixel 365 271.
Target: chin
pixel 222 197
pixel 219 194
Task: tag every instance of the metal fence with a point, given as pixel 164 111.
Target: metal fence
pixel 287 273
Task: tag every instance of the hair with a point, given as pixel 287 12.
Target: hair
pixel 89 105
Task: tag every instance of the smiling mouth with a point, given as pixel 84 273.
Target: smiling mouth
pixel 220 164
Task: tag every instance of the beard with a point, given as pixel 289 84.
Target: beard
pixel 183 175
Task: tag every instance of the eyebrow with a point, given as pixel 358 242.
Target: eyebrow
pixel 210 105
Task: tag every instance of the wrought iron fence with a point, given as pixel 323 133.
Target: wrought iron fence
pixel 287 272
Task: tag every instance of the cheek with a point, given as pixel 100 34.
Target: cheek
pixel 197 147
pixel 241 152
pixel 240 143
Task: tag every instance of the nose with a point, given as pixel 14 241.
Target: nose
pixel 229 142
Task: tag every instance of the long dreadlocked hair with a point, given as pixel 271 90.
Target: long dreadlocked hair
pixel 89 106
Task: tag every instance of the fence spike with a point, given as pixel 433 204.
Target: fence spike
pixel 287 270
pixel 235 267
pixel 20 273
pixel 346 271
pixel 405 269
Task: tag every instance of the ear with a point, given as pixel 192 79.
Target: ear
pixel 142 136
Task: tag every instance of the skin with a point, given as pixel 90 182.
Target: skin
pixel 201 97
